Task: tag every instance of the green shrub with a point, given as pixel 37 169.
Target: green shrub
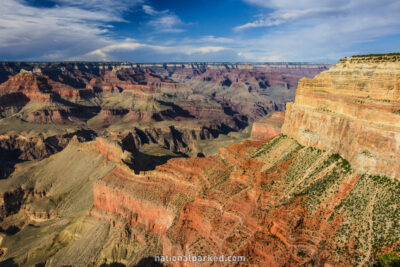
pixel 388 260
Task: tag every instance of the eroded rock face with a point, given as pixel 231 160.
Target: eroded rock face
pixel 17 148
pixel 352 109
pixel 253 89
pixel 248 90
pixel 36 86
pixel 268 128
pixel 275 203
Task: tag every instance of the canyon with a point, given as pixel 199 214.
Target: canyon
pixel 200 159
pixel 43 105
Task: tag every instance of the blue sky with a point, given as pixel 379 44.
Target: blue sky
pixel 202 30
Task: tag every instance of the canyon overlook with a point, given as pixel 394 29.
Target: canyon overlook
pixel 182 179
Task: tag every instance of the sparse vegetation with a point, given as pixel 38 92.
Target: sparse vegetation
pixel 367 153
pixel 265 148
pixel 377 55
pixel 324 109
pixel 388 260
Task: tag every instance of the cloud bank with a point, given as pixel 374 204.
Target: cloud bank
pixel 321 29
pixel 279 30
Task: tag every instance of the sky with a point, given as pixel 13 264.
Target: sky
pixel 201 30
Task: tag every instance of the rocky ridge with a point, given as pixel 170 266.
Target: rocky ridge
pixel 352 109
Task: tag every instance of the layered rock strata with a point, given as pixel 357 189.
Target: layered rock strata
pixel 275 203
pixel 268 128
pixel 352 109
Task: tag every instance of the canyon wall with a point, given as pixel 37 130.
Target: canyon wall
pixel 275 202
pixel 269 127
pixel 352 109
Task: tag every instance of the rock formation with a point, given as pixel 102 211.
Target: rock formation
pixel 36 86
pixel 275 203
pixel 268 128
pixel 352 109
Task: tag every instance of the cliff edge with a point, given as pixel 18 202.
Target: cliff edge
pixel 352 109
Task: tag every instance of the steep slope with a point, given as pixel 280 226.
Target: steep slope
pixel 44 205
pixel 275 203
pixel 352 109
pixel 268 127
pixel 253 90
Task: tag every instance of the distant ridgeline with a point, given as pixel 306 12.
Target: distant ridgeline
pixel 48 68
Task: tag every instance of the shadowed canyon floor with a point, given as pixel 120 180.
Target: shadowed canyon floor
pixel 124 189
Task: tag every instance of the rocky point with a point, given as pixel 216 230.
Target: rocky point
pixel 352 109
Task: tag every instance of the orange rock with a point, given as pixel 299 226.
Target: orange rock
pixel 216 206
pixel 268 128
pixel 352 109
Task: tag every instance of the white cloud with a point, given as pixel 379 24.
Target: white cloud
pixel 70 28
pixel 318 29
pixel 108 53
pixel 149 10
pixel 163 21
pixel 213 39
pixel 298 4
pixel 285 30
pixel 281 16
pixel 167 23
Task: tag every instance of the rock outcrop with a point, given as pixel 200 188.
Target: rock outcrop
pixel 274 202
pixel 36 86
pixel 352 109
pixel 269 127
pixel 18 148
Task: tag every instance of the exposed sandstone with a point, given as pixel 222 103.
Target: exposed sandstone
pixel 268 128
pixel 275 202
pixel 352 109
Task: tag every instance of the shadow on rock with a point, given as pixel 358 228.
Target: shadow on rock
pixel 114 264
pixel 149 262
pixel 146 162
pixel 8 159
pixel 11 230
pixel 8 263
